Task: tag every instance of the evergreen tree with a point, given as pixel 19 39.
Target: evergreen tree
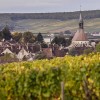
pixel 1 36
pixel 6 33
pixel 39 38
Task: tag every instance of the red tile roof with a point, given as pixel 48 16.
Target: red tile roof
pixel 80 36
pixel 47 52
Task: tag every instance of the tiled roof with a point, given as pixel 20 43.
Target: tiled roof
pixel 48 52
pixel 80 36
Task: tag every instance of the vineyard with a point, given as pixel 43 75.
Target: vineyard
pixel 41 79
pixel 49 25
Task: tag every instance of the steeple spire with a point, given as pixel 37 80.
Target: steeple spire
pixel 80 19
pixel 80 14
pixel 81 22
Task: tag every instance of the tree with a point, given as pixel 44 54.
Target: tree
pixel 59 40
pixel 39 38
pixel 6 33
pixel 1 36
pixel 88 50
pixel 72 52
pixel 29 37
pixel 68 32
pixel 98 47
pixel 68 41
pixel 7 58
pixel 26 37
pixel 44 45
pixel 17 36
pixel 40 55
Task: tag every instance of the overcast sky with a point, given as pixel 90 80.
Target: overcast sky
pixel 11 6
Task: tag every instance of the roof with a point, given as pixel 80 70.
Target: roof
pixel 80 36
pixel 22 53
pixel 7 51
pixel 48 52
pixel 80 18
pixel 60 53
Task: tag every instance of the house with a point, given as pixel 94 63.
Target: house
pixel 48 52
pixel 22 53
pixel 18 49
pixel 7 51
pixel 48 38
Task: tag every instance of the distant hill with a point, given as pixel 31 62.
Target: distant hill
pixel 57 15
pixel 50 22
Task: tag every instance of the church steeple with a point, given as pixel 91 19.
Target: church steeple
pixel 81 22
pixel 80 39
pixel 80 35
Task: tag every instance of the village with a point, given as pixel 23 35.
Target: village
pixel 47 46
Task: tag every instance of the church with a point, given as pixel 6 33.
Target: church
pixel 80 41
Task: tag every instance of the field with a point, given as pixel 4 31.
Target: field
pixel 49 25
pixel 41 79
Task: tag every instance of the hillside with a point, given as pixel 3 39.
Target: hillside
pixel 50 22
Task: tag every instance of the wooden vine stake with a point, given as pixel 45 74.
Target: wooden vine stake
pixel 62 90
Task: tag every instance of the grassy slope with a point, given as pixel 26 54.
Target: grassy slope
pixel 51 25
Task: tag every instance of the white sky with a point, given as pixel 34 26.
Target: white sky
pixel 47 5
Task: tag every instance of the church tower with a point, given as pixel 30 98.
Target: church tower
pixel 80 37
pixel 81 22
